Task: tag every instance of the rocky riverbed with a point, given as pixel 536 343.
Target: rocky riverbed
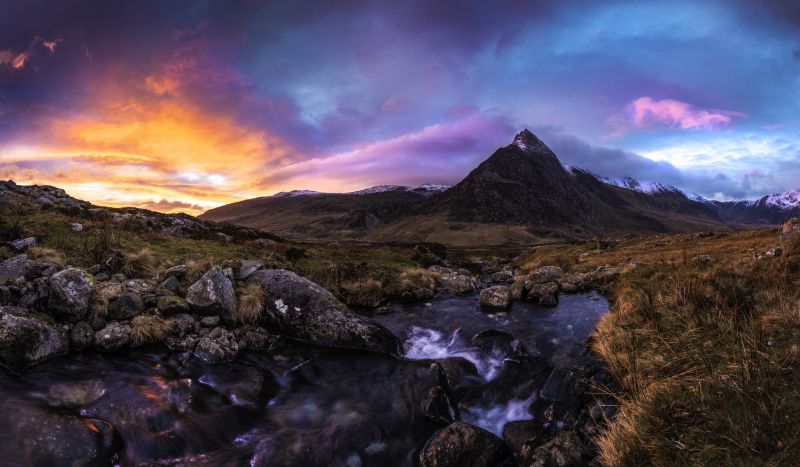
pixel 99 369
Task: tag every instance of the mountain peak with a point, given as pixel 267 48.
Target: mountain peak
pixel 527 141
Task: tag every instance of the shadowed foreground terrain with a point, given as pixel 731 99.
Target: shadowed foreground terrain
pixel 694 365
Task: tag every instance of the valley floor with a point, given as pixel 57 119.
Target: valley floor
pixel 701 343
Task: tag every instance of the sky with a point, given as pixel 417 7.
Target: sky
pixel 185 105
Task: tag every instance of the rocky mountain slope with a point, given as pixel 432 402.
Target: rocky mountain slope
pixel 521 194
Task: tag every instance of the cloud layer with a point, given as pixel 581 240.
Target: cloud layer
pixel 190 104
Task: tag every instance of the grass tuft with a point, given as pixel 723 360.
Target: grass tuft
pixel 139 264
pixel 149 329
pixel 47 255
pixel 251 304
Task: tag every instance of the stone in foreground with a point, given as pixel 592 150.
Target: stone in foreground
pixel 213 294
pixel 27 339
pixel 301 309
pixel 461 444
pixel 70 294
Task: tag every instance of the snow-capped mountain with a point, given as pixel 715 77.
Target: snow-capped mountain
pixel 648 187
pixel 786 200
pixel 426 189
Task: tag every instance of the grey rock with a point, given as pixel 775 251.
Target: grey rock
pixel 248 267
pixel 209 321
pixel 496 296
pixel 178 272
pixel 213 294
pixel 112 337
pixel 21 267
pixel 23 244
pixel 456 283
pixel 461 444
pixel 81 336
pixel 222 348
pixel 182 324
pixel 126 306
pixel 70 294
pixel 172 304
pixel 301 309
pixel 28 338
pixel 77 227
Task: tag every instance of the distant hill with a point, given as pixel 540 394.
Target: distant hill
pixel 521 194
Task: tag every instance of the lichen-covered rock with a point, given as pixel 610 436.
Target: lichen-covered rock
pixel 172 304
pixel 496 296
pixel 126 306
pixel 23 243
pixel 217 347
pixel 545 293
pixel 21 267
pixel 28 338
pixel 301 309
pixel 456 283
pixel 81 336
pixel 112 337
pixel 461 444
pixel 70 294
pixel 213 294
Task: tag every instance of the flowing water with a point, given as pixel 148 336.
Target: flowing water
pixel 300 405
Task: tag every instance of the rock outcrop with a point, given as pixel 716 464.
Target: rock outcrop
pixel 299 308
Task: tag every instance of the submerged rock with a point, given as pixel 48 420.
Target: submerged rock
pixel 213 294
pixel 46 438
pixel 70 294
pixel 301 309
pixel 461 444
pixel 27 339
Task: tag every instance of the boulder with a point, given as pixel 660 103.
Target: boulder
pixel 517 289
pixel 213 294
pixel 23 244
pixel 77 227
pixel 491 341
pixel 44 437
pixel 70 294
pixel 550 273
pixel 21 267
pixel 501 277
pixel 456 283
pixel 548 300
pixel 547 289
pixel 126 306
pixel 222 347
pixel 517 433
pixel 178 272
pixel 172 304
pixel 182 324
pixel 565 449
pixel 461 444
pixel 247 267
pixel 496 296
pixel 28 338
pixel 301 309
pixel 112 337
pixel 81 336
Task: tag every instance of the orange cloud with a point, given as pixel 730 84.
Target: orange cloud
pixel 164 155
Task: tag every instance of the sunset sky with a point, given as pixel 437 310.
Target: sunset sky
pixel 186 105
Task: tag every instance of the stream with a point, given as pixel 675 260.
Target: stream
pixel 298 405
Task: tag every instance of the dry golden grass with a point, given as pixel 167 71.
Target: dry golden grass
pixel 139 264
pixel 702 354
pixel 149 329
pixel 251 304
pixel 363 293
pixel 196 268
pixel 47 255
